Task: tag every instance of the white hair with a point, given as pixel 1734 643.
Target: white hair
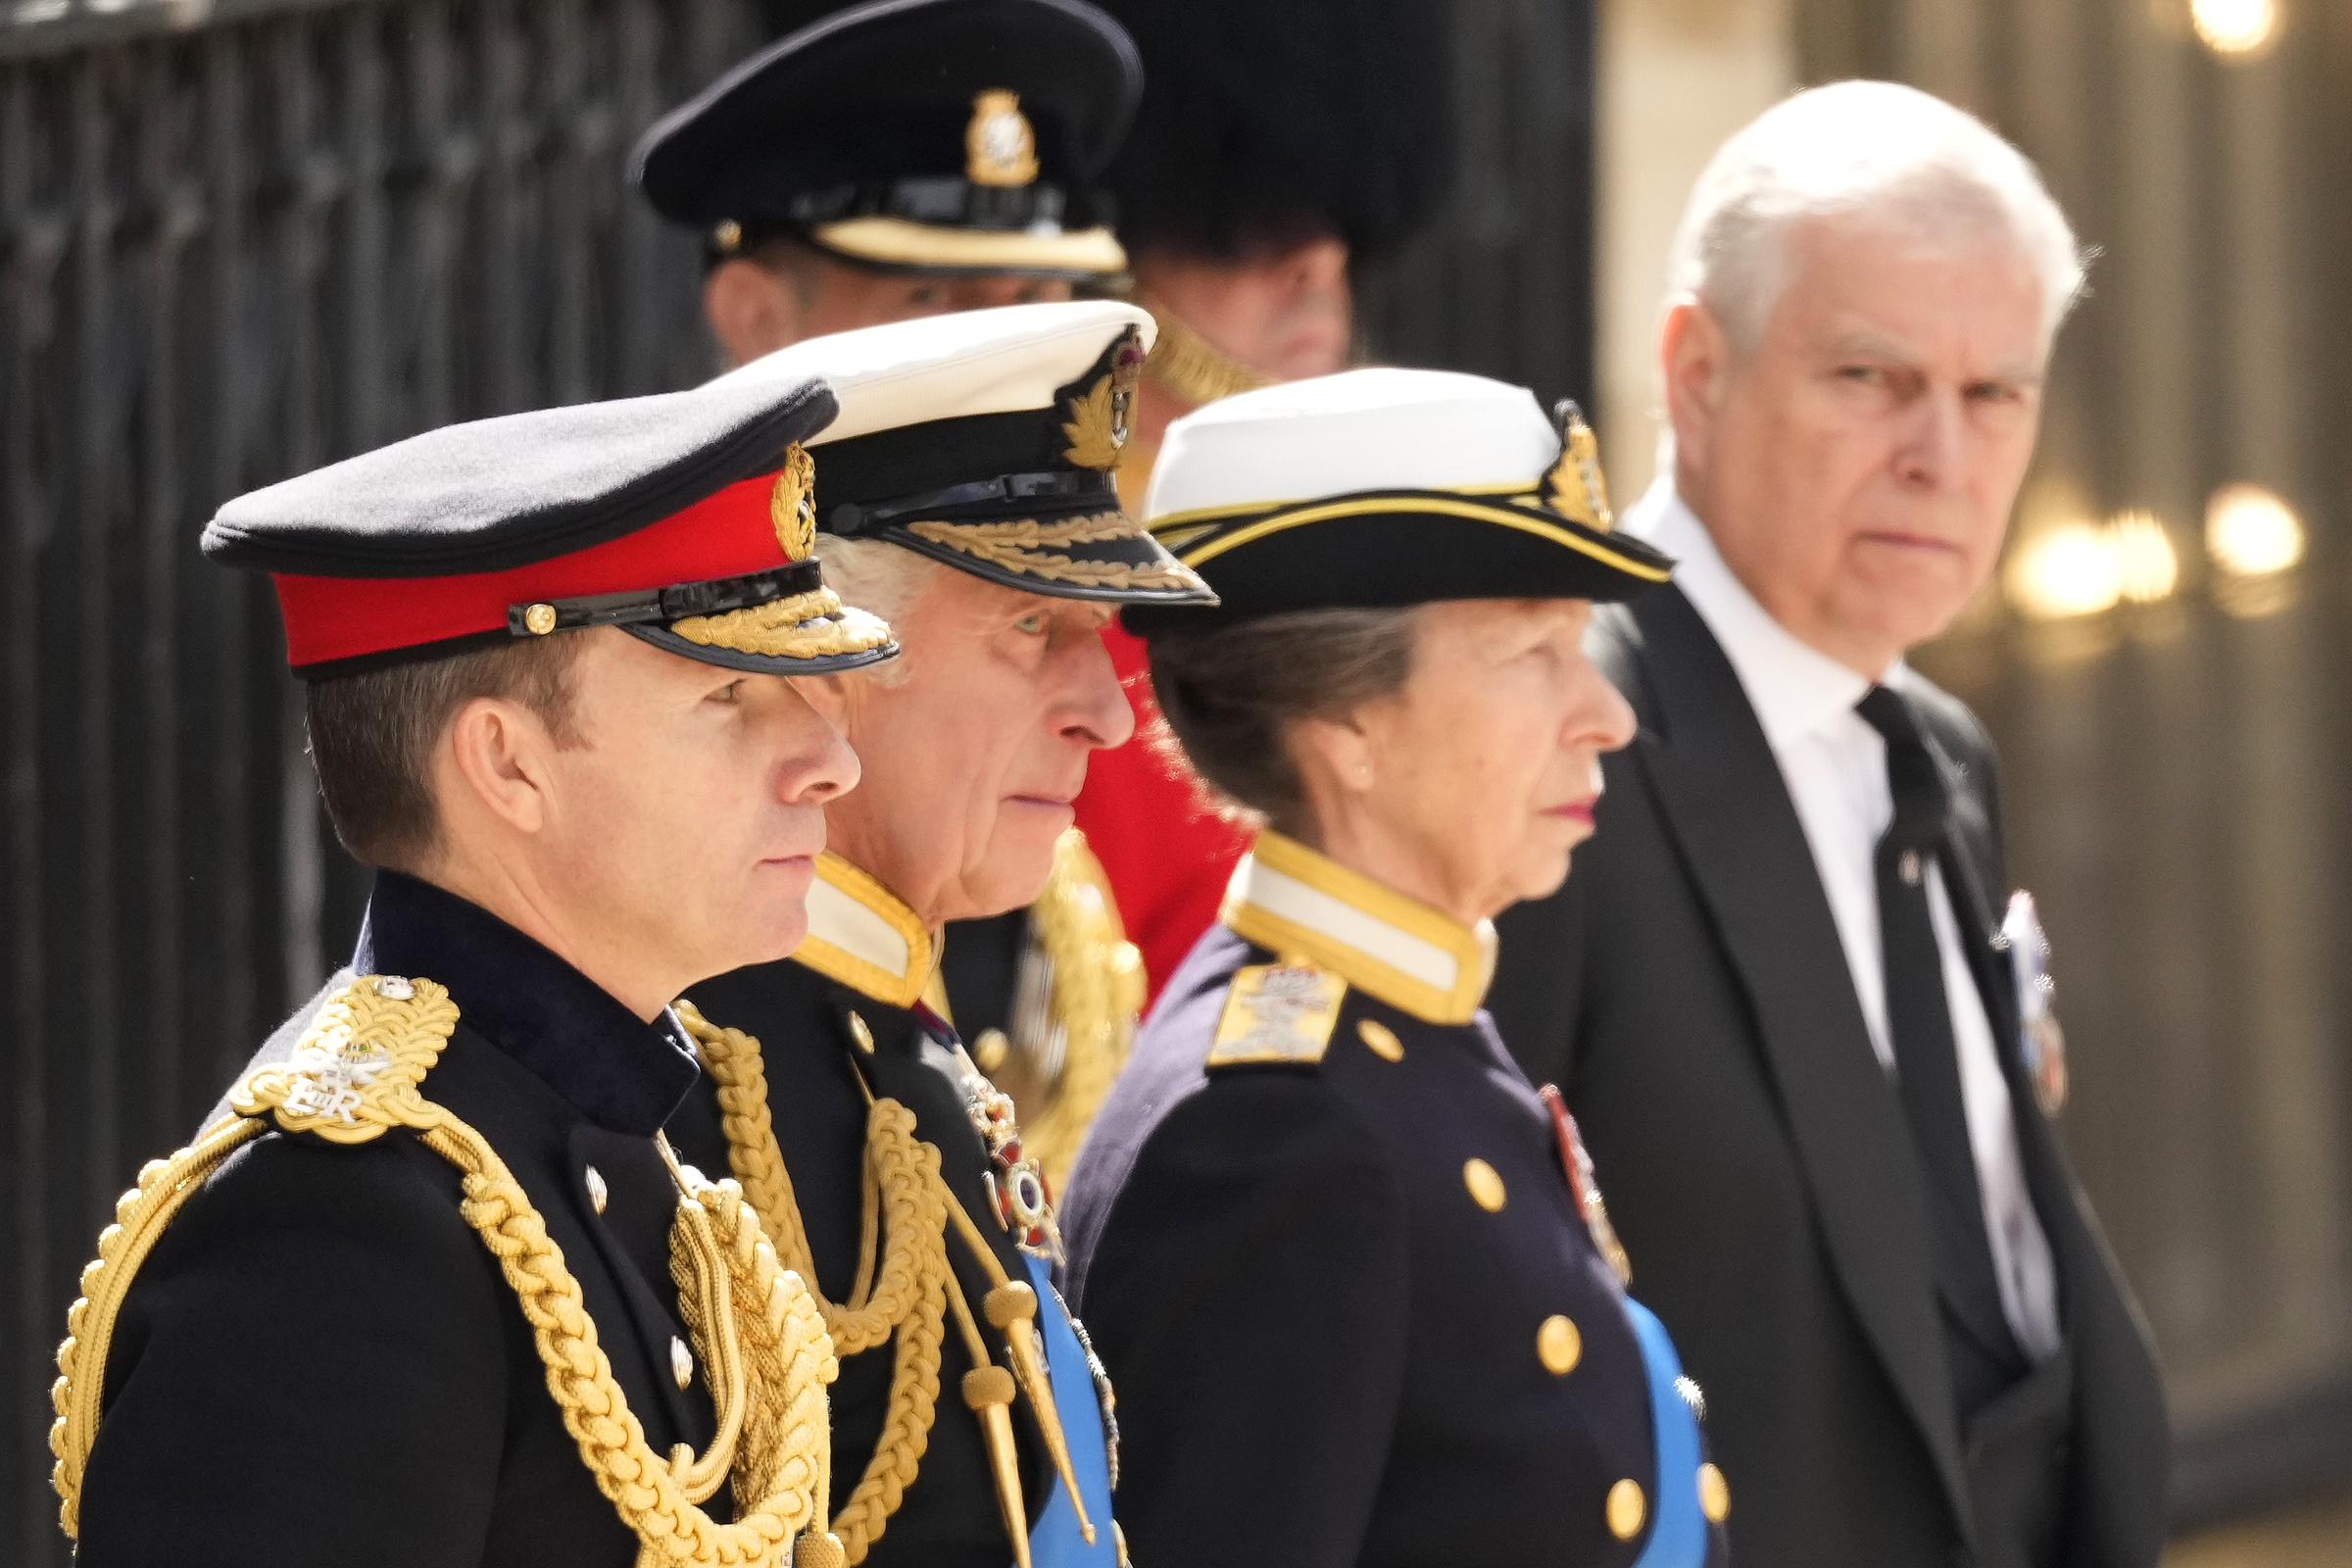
pixel 880 578
pixel 1886 154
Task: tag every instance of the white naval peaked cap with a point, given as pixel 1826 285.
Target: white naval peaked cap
pixel 1010 359
pixel 1380 428
pixel 989 440
pixel 1385 488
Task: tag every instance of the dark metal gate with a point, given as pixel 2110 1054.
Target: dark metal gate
pixel 239 238
pixel 229 253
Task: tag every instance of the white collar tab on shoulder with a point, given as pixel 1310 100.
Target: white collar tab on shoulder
pixel 864 936
pixel 1301 904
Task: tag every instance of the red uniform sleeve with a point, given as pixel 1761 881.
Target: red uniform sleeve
pixel 1167 853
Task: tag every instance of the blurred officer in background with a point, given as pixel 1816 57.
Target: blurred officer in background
pixel 899 158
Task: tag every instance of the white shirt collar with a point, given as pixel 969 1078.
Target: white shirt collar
pixel 1796 689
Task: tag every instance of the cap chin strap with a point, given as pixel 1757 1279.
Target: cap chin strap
pixel 1189 365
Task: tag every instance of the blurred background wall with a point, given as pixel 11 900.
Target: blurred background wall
pixel 243 237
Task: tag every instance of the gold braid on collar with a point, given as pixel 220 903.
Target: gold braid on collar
pixel 1189 365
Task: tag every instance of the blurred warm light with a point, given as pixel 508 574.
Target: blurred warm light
pixel 2073 569
pixel 2147 567
pixel 2234 28
pixel 2250 532
pixel 2063 571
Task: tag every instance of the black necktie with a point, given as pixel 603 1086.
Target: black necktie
pixel 1926 1060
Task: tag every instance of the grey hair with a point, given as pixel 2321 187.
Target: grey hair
pixel 1876 150
pixel 1230 693
pixel 881 577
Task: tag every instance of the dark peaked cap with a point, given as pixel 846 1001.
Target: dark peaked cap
pixel 855 135
pixel 685 519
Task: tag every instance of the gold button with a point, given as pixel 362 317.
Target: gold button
pixel 861 1033
pixel 1558 1346
pixel 1627 1509
pixel 1485 1187
pixel 1714 1494
pixel 1381 1040
pixel 539 619
pixel 681 1362
pixel 598 1193
pixel 991 1048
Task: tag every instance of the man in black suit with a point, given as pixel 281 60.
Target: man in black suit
pixel 1777 990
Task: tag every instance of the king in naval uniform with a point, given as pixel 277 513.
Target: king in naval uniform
pixel 968 485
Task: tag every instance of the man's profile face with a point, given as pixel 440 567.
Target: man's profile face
pixel 688 817
pixel 1858 465
pixel 760 303
pixel 976 745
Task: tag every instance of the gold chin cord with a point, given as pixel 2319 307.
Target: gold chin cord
pixel 1189 365
pixel 1076 998
pixel 903 1291
pixel 355 1077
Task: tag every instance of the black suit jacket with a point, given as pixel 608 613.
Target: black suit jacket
pixel 1687 989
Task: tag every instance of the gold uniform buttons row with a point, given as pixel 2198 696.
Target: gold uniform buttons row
pixel 681 1359
pixel 1628 1509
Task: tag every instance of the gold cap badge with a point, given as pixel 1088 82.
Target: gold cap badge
pixel 792 503
pixel 1101 416
pixel 999 147
pixel 1575 487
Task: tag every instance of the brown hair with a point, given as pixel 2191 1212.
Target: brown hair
pixel 374 734
pixel 1229 693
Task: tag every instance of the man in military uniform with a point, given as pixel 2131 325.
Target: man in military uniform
pixel 897 159
pixel 968 485
pixel 410 1300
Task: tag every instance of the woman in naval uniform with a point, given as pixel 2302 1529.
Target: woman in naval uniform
pixel 1345 1262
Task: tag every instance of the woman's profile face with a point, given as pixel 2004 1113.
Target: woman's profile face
pixel 1485 767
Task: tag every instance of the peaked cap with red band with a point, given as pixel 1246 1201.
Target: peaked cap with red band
pixel 686 520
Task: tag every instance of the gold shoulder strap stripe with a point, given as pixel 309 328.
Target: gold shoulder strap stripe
pixel 1278 1015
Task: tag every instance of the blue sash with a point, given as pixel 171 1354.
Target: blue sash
pixel 1055 1540
pixel 1678 1536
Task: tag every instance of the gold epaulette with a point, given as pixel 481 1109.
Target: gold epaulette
pixel 1279 1015
pixel 357 1072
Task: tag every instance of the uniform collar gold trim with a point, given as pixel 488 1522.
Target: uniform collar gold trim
pixel 1299 904
pixel 864 936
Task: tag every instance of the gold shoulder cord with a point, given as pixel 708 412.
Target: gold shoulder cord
pixel 353 1075
pixel 904 1288
pixel 1093 995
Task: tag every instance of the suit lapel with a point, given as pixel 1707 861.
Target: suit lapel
pixel 1721 795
